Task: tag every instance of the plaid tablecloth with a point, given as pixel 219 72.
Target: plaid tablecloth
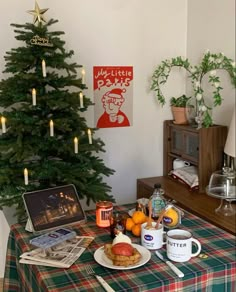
pixel 216 272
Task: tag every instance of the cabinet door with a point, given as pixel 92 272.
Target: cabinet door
pixel 176 146
pixel 191 146
pixel 185 144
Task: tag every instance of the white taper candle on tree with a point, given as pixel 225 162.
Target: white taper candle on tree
pixel 81 100
pixel 83 76
pixel 90 136
pixel 76 144
pixel 3 121
pixel 34 96
pixel 26 178
pixel 44 68
pixel 51 125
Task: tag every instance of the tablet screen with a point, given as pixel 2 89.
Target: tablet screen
pixel 54 207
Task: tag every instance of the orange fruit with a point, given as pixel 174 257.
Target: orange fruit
pixel 138 217
pixel 129 224
pixel 171 217
pixel 136 230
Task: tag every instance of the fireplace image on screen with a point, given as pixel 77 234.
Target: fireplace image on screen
pixel 53 207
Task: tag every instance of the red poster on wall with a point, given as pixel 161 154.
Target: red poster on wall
pixel 113 96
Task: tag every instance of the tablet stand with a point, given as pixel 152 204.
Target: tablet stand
pixel 29 226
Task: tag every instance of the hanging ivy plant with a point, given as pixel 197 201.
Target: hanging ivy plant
pixel 210 63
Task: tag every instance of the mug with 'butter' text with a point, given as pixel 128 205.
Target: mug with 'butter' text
pixel 179 245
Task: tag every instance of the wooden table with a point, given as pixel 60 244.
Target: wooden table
pixel 197 203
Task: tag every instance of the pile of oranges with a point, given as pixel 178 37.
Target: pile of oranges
pixel 171 219
pixel 134 223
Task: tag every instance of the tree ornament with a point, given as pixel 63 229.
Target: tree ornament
pixel 38 13
pixel 41 41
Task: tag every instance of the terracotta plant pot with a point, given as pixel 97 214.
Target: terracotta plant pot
pixel 179 115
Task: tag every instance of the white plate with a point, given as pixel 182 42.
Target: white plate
pixel 104 261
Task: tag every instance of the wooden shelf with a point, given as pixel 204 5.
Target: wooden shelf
pixel 195 202
pixel 203 148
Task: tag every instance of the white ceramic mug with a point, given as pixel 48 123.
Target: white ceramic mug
pixel 179 163
pixel 179 245
pixel 152 238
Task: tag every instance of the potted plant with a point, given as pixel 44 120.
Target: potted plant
pixel 208 66
pixel 178 108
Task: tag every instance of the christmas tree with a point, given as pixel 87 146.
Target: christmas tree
pixel 45 141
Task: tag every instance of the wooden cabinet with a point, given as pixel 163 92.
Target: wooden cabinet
pixel 203 148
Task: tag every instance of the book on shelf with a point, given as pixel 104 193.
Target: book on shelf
pixel 62 255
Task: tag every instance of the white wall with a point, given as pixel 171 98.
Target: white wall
pixel 125 32
pixel 211 25
pixel 3 241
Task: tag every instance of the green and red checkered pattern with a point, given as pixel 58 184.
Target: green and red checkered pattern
pixel 215 273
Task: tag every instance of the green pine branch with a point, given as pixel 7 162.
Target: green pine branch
pixel 50 161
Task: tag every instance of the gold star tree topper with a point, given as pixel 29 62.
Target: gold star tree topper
pixel 38 13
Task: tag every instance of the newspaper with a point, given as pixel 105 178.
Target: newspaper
pixel 62 255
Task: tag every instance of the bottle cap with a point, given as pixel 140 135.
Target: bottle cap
pixel 157 186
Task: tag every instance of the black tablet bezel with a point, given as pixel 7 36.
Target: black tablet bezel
pixel 36 207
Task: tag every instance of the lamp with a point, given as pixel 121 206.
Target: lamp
pixel 230 143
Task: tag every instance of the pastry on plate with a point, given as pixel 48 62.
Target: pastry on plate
pixel 121 252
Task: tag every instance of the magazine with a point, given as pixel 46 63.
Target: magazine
pixel 62 255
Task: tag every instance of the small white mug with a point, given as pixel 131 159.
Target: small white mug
pixel 152 238
pixel 179 245
pixel 179 163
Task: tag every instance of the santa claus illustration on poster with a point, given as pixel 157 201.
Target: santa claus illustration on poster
pixel 113 96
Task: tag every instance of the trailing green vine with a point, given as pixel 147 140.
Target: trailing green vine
pixel 210 63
